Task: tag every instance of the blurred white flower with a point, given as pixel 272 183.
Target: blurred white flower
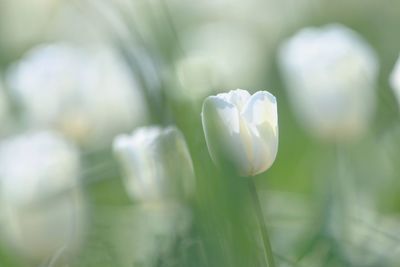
pixel 41 209
pixel 395 80
pixel 156 163
pixel 330 73
pixel 214 58
pixel 196 77
pixel 49 164
pixel 242 128
pixel 89 94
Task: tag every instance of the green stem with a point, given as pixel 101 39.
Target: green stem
pixel 261 221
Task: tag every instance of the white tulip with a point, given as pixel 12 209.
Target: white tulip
pixel 41 207
pixel 89 94
pixel 330 73
pixel 395 80
pixel 242 127
pixel 156 163
pixel 36 165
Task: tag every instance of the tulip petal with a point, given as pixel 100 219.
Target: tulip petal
pixel 225 112
pixel 238 98
pixel 261 108
pixel 137 158
pixel 148 158
pixel 221 124
pixel 181 176
pixel 261 117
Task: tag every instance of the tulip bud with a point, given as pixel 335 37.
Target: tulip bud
pixel 40 202
pixel 242 129
pixel 156 163
pixel 330 75
pixel 395 80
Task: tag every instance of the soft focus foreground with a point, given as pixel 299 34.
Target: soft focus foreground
pixel 104 160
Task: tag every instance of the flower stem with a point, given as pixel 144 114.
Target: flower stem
pixel 261 221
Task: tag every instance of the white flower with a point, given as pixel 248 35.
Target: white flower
pixel 88 94
pixel 395 80
pixel 156 163
pixel 330 73
pixel 36 165
pixel 243 128
pixel 40 201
